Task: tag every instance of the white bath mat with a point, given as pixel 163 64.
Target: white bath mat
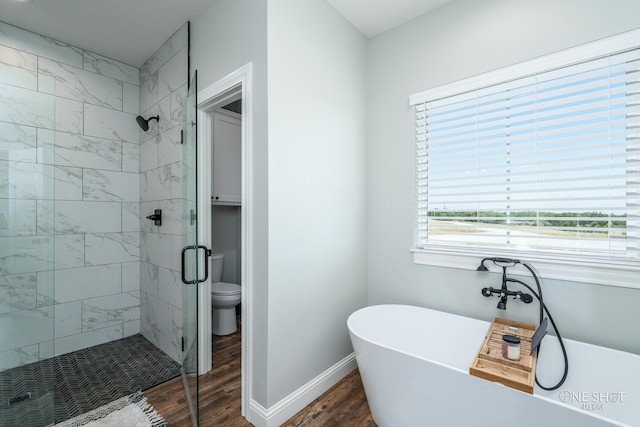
pixel 130 411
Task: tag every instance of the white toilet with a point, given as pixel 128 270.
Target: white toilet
pixel 224 298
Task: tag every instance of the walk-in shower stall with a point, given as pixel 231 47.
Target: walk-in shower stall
pixel 82 270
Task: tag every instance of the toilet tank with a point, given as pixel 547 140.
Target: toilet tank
pixel 217 263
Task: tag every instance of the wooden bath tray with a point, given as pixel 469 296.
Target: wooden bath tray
pixel 490 365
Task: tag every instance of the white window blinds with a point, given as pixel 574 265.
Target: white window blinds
pixel 546 163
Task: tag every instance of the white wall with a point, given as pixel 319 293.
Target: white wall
pixel 310 191
pixel 458 40
pixel 226 239
pixel 317 189
pixel 224 37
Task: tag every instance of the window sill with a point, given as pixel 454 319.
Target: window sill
pixel 602 273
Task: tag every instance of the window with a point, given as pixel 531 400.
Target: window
pixel 539 158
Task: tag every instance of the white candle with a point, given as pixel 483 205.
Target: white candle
pixel 511 347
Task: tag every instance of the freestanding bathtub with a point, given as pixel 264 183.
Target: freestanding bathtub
pixel 414 363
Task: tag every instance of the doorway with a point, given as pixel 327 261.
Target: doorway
pixel 236 87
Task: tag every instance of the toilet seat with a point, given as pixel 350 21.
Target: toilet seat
pixel 222 288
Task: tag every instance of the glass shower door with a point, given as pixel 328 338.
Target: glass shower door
pixel 26 274
pixel 191 251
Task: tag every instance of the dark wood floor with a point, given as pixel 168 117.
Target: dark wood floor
pixel 342 405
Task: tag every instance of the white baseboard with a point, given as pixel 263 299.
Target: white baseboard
pixel 277 414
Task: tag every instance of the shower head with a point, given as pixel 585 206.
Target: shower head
pixel 144 123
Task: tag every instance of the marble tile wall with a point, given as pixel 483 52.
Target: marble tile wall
pixel 70 194
pixel 163 89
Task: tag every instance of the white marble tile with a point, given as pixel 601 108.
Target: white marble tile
pixel 45 211
pixel 109 248
pixel 177 243
pixel 167 345
pixel 148 155
pixel 68 183
pixel 46 146
pixel 25 254
pixel 156 313
pixel 45 350
pixel 130 217
pixel 176 180
pixel 110 186
pixel 88 339
pixel 18 68
pixel 80 85
pixel 149 92
pixel 69 250
pixel 170 286
pixel 87 152
pixel 46 84
pixel 171 216
pixel 26 107
pixel 110 68
pixel 87 217
pixel 169 148
pixel 164 111
pixel 44 293
pixel 146 209
pixel 69 115
pixel 147 330
pixel 131 328
pixel 109 310
pixel 157 184
pixel 110 124
pixel 149 279
pixel 176 335
pixel 74 284
pixel 39 45
pixel 131 276
pixel 18 357
pixel 154 125
pixel 144 72
pixel 18 292
pixel 68 319
pixel 177 322
pixel 20 180
pixel 25 327
pixel 17 217
pixel 178 98
pixel 156 249
pixel 158 59
pixel 173 74
pixel 130 98
pixel 18 143
pixel 130 157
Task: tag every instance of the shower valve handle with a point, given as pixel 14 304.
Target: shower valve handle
pixel 156 217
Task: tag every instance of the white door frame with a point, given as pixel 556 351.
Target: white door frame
pixel 209 99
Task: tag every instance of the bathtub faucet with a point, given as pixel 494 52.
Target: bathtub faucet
pixel 504 292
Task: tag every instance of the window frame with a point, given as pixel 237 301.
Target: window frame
pixel 566 267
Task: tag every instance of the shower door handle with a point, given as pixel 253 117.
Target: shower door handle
pixel 207 254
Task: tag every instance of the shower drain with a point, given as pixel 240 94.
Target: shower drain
pixel 20 398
